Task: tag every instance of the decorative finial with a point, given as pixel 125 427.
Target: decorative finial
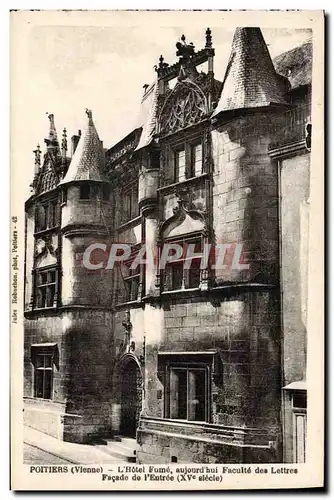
pixel 52 131
pixel 208 39
pixel 90 115
pixel 64 143
pixel 37 152
pixel 161 61
pixel 52 141
pixel 184 50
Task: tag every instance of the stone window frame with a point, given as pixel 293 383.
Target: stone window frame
pixel 47 285
pixel 167 273
pixel 133 277
pixel 51 210
pixel 189 366
pixel 129 193
pixel 189 146
pixel 47 351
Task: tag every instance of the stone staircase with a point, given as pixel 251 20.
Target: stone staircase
pixel 120 448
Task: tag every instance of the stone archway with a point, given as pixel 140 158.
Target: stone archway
pixel 130 392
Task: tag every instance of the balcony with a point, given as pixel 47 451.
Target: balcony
pixel 290 128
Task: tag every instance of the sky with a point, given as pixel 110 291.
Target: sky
pixel 63 69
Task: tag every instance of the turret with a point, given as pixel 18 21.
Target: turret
pixel 86 219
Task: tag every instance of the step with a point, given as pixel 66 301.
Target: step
pixel 120 446
pixel 120 454
pixel 129 442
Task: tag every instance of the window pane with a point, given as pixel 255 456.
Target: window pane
pixel 51 276
pixel 300 400
pixel 196 395
pixel 127 205
pixel 39 383
pixel 194 274
pixel 134 288
pixel 196 159
pixel 177 276
pixel 135 208
pixel 180 166
pixel 42 278
pixel 84 192
pixel 41 297
pixel 40 218
pixel 50 293
pixel 52 214
pixel 47 360
pixel 105 193
pixel 39 361
pixel 47 384
pixel 178 394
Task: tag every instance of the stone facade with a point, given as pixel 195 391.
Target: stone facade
pixel 193 362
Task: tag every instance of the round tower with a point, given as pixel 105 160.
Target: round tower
pixel 86 219
pixel 86 287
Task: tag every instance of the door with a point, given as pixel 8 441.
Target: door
pixel 131 398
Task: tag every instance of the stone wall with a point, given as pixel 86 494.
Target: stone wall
pixel 294 262
pixel 245 197
pixel 81 404
pixel 243 329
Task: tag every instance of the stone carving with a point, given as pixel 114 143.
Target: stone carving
pixel 44 244
pixel 185 106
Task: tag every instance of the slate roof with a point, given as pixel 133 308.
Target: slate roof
pixel 296 65
pixel 148 115
pixel 87 163
pixel 250 79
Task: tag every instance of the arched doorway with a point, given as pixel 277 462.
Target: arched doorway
pixel 131 396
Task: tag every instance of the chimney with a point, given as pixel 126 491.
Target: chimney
pixel 74 142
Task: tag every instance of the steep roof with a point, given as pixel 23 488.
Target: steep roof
pixel 250 79
pixel 87 163
pixel 296 65
pixel 148 115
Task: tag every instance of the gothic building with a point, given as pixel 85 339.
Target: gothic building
pixel 190 364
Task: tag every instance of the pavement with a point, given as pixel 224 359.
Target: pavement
pixel 40 446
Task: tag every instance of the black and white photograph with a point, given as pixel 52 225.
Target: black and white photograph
pixel 164 247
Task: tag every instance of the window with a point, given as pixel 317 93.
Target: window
pixel 105 192
pixel 180 165
pixel 131 279
pixel 47 215
pixel 179 276
pixel 188 161
pixel 45 288
pixel 84 192
pixel 43 378
pixel 130 203
pixel 186 396
pixel 196 160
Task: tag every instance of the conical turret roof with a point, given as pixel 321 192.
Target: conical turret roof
pixel 250 80
pixel 87 163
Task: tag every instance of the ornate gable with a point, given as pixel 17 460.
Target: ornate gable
pixel 194 95
pixel 185 105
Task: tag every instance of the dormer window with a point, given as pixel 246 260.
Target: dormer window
pixel 85 192
pixel 47 215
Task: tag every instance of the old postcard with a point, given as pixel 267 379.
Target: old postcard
pixel 167 284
